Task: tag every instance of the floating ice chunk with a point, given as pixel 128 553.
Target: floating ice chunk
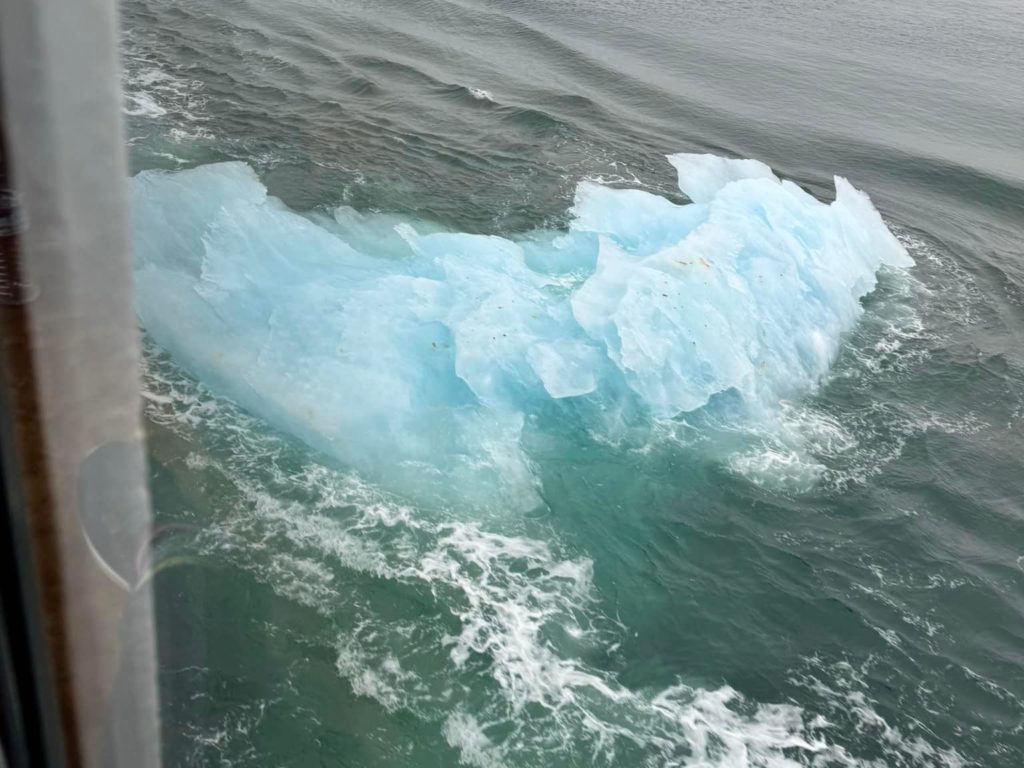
pixel 639 221
pixel 568 257
pixel 667 326
pixel 417 354
pixel 701 177
pixel 171 213
pixel 755 299
pixel 384 235
pixel 864 229
pixel 565 370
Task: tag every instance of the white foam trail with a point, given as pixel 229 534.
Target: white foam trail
pixel 143 103
pixel 497 662
pixel 480 94
pixel 153 92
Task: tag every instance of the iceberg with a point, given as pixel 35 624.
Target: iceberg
pixel 418 355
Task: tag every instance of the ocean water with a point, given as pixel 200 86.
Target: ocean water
pixel 778 522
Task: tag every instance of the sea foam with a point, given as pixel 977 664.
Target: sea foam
pixel 418 355
pixel 493 633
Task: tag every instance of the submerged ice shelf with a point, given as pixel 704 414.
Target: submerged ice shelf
pixel 417 354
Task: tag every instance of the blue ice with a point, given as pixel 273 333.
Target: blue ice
pixel 417 355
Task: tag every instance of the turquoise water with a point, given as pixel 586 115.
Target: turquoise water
pixel 836 585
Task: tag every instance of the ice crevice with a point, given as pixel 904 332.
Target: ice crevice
pixel 416 354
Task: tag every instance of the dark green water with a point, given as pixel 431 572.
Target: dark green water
pixel 859 602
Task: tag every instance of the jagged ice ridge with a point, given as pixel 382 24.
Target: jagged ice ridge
pixel 417 354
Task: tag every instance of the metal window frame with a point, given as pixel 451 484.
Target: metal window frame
pixel 77 668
